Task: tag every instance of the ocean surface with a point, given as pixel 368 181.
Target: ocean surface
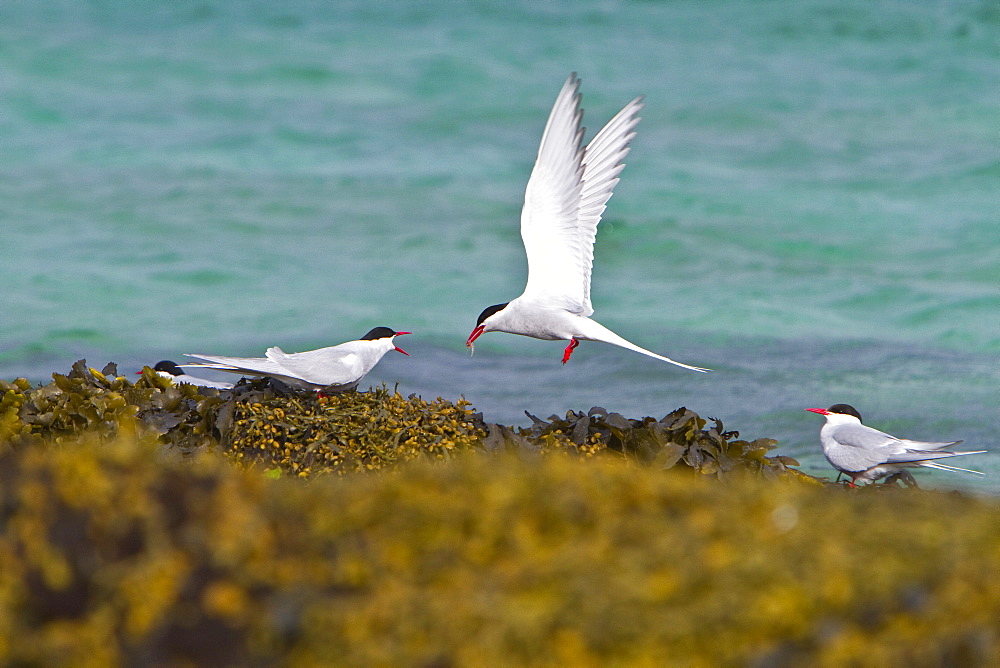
pixel 811 207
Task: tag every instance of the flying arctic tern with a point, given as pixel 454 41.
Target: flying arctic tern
pixel 864 453
pixel 566 194
pixel 170 370
pixel 333 369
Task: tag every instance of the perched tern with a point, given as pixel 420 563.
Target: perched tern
pixel 566 195
pixel 170 370
pixel 864 453
pixel 333 369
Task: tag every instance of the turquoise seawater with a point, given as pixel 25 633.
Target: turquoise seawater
pixel 811 207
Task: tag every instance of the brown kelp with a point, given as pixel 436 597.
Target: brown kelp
pixel 302 433
pixel 100 403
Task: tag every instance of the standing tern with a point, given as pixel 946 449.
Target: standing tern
pixel 333 369
pixel 170 370
pixel 864 453
pixel 567 192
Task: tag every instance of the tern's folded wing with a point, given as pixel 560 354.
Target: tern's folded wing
pixel 251 365
pixel 928 451
pixel 859 447
pixel 336 365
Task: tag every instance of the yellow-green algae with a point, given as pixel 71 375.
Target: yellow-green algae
pixel 116 554
pixel 304 434
pixel 464 544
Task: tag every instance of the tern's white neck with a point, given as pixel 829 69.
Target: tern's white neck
pixel 835 419
pixel 377 348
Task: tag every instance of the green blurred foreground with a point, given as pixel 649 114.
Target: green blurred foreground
pixel 117 549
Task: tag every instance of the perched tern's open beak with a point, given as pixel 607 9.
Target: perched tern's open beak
pixel 476 333
pixel 821 411
pixel 397 348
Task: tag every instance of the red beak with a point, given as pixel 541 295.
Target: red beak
pixel 397 348
pixel 821 411
pixel 476 333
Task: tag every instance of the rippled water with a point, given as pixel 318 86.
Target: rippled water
pixel 810 206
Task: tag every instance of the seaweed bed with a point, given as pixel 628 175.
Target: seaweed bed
pixel 369 528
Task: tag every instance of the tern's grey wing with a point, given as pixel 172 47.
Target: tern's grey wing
pixel 336 365
pixel 865 438
pixel 914 454
pixel 250 365
pixel 925 445
pixel 919 456
pixel 859 447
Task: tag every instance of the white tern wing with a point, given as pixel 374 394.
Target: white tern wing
pixel 602 163
pixel 859 447
pixel 565 197
pixel 336 365
pixel 864 447
pixel 237 364
pixel 246 366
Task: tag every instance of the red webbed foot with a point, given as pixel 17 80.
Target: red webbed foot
pixel 573 343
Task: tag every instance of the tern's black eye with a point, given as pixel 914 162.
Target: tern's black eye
pixel 844 409
pixel 490 311
pixel 378 333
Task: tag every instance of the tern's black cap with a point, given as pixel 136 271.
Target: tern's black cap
pixel 378 333
pixel 169 367
pixel 490 310
pixel 844 409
